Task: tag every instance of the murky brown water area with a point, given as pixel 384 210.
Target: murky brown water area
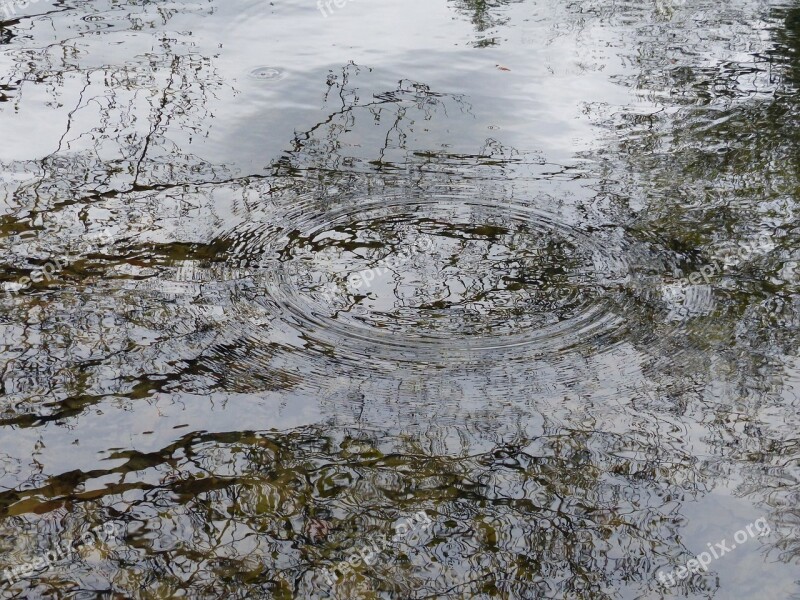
pixel 400 300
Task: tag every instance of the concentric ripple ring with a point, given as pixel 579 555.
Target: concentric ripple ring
pixel 268 74
pixel 427 275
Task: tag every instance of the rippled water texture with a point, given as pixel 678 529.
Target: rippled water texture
pixel 267 74
pixel 432 299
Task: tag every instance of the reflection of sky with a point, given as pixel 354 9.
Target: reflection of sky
pixel 559 63
pixel 424 41
pixel 534 106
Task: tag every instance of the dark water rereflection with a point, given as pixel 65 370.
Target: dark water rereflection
pixel 529 268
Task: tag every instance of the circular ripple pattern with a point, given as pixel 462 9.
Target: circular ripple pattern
pixel 422 275
pixel 269 74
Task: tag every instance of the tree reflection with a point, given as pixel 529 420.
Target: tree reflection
pixel 580 494
pixel 720 170
pixel 140 116
pixel 486 16
pixel 553 518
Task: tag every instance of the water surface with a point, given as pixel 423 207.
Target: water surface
pixel 277 281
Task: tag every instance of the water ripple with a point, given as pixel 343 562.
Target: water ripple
pixel 268 74
pixel 420 277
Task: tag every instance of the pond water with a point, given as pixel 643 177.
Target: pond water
pixel 431 299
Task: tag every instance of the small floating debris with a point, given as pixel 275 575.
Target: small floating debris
pixel 270 74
